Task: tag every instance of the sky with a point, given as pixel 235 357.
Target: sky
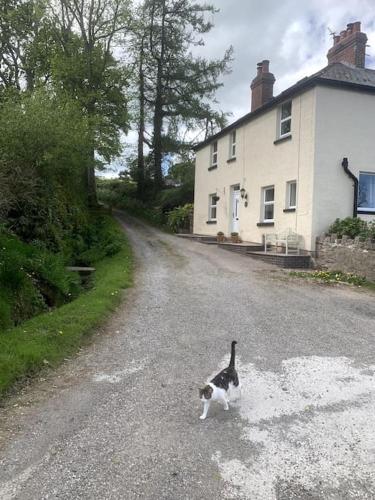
pixel 293 34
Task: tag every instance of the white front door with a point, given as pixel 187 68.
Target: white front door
pixel 235 211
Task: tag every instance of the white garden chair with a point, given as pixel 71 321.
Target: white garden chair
pixel 269 239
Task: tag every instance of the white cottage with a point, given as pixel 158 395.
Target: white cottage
pixel 282 166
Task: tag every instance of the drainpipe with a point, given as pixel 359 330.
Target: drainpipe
pixel 355 180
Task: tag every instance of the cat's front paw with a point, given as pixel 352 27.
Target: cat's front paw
pixel 202 417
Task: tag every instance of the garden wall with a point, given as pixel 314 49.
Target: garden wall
pixel 347 255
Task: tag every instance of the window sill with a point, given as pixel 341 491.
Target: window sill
pixel 263 224
pixel 366 212
pixel 211 222
pixel 212 167
pixel 283 139
pixel 231 160
pixel 287 210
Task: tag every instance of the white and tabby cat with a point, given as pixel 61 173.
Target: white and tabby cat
pixel 219 387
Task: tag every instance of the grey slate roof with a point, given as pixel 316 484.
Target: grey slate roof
pixel 336 74
pixel 346 73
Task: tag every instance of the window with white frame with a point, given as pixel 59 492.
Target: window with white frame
pixel 212 206
pixel 268 203
pixel 285 119
pixel 291 194
pixel 232 144
pixel 214 154
pixel 366 192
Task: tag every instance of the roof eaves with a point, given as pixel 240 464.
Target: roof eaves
pixel 295 89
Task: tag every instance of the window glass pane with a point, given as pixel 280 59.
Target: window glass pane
pixel 234 150
pixel 213 212
pixel 269 194
pixel 213 199
pixel 366 195
pixel 214 147
pixel 214 158
pixel 285 127
pixel 234 137
pixel 286 110
pixel 268 212
pixel 292 194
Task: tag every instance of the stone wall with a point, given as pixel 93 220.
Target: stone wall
pixel 347 255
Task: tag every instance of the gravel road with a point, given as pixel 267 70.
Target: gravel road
pixel 121 419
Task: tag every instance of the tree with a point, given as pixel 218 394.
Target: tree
pixel 85 67
pixel 176 89
pixel 24 43
pixel 41 167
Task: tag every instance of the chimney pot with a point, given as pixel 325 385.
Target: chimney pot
pixel 265 66
pixel 349 47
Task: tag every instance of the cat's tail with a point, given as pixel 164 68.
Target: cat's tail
pixel 232 354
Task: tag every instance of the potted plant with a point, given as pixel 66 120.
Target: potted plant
pixel 235 238
pixel 220 237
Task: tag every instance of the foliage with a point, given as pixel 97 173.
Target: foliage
pixel 122 194
pixel 39 201
pixel 31 280
pixel 331 277
pixel 350 226
pixel 24 47
pixel 175 89
pixel 179 218
pixel 51 337
pixel 98 240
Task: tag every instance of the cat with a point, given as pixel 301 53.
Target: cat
pixel 218 388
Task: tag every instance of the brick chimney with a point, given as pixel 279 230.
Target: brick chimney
pixel 262 86
pixel 349 46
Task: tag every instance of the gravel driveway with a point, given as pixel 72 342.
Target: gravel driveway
pixel 120 421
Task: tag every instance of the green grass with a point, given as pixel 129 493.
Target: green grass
pixel 330 277
pixel 50 337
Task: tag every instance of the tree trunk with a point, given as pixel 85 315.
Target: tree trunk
pixel 91 181
pixel 141 128
pixel 159 102
pixel 158 130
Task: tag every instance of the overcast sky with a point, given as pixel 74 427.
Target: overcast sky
pixel 292 34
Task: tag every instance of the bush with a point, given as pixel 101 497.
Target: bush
pixel 31 280
pixel 54 336
pixel 352 227
pixel 99 239
pixel 179 218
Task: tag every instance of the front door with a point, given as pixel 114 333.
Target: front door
pixel 235 210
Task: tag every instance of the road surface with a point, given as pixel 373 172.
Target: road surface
pixel 121 419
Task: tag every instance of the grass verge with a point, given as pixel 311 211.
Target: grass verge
pixel 330 277
pixel 49 338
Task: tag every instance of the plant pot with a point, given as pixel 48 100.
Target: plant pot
pixel 235 238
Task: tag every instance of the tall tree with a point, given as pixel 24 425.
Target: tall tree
pixel 179 87
pixel 24 43
pixel 85 67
